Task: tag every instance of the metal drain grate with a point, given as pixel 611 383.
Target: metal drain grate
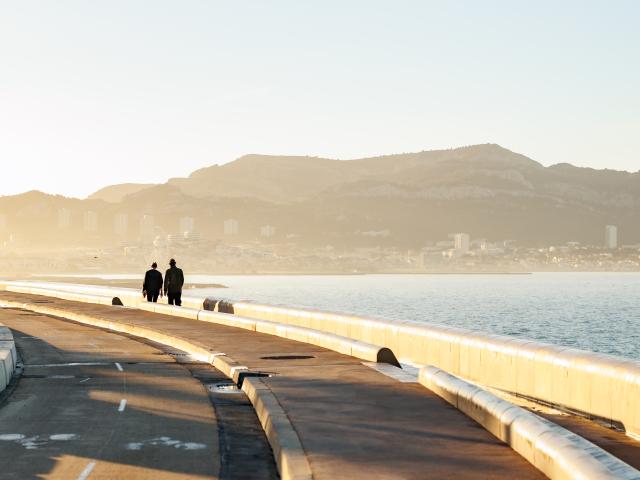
pixel 223 388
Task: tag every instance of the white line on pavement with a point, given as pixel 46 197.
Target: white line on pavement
pixel 119 367
pixel 123 404
pixel 87 471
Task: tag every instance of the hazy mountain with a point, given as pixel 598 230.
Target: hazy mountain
pixel 402 200
pixel 116 193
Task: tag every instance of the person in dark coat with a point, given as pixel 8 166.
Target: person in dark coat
pixel 173 282
pixel 152 286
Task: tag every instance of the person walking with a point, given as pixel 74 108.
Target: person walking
pixel 173 282
pixel 152 286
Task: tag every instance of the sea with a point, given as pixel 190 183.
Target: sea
pixel 592 311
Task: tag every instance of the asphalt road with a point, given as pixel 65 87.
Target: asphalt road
pixel 96 405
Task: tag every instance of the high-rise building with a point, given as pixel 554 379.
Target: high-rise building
pixel 461 242
pixel 187 225
pixel 90 221
pixel 147 228
pixel 267 231
pixel 611 236
pixel 231 226
pixel 120 224
pixel 64 218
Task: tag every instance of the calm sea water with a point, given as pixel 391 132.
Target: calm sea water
pixel 591 311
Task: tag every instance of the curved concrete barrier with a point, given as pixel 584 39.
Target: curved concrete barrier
pixel 128 297
pixel 76 297
pixel 595 385
pixel 555 451
pixel 8 356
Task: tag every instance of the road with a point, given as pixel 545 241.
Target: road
pixel 96 405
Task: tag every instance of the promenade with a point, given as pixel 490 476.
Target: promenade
pixel 352 421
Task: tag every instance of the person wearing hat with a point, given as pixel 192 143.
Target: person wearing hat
pixel 152 286
pixel 173 282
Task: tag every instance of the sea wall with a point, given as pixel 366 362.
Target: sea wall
pixel 592 384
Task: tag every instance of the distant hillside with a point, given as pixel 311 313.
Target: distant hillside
pixel 485 190
pixel 116 193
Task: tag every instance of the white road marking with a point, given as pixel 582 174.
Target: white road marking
pixel 123 404
pixel 36 441
pixel 119 367
pixel 87 471
pixel 166 442
pixel 62 436
pixel 85 380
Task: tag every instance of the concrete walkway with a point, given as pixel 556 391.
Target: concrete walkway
pixel 353 421
pixel 95 405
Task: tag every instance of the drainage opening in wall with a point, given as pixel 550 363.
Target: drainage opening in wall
pixel 287 357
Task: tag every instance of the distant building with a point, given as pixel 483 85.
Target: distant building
pixel 611 236
pixel 120 224
pixel 187 225
pixel 64 218
pixel 192 237
pixel 147 229
pixel 231 227
pixel 461 242
pixel 90 222
pixel 267 231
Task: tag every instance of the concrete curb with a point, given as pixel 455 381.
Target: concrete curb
pixel 290 457
pixel 555 451
pixel 8 356
pixel 288 451
pixel 76 297
pixel 347 346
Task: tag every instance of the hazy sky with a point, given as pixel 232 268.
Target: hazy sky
pixel 100 92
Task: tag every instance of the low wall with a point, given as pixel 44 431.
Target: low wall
pixel 596 385
pixel 8 356
pixel 555 451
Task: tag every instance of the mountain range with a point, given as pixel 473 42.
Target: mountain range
pixel 403 200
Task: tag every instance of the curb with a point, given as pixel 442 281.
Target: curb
pixel 555 451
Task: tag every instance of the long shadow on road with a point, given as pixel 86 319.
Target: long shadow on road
pixel 92 402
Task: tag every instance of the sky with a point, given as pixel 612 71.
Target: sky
pixel 94 93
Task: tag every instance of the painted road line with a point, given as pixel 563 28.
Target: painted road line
pixel 87 471
pixel 85 380
pixel 123 404
pixel 119 367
